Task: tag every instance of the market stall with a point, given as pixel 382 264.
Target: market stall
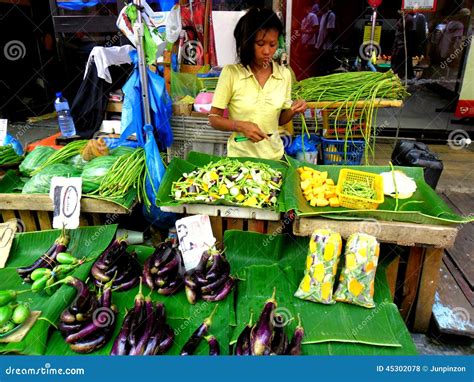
pixel 259 256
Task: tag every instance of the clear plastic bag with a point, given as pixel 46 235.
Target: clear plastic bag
pixel 35 159
pixel 94 171
pixel 41 182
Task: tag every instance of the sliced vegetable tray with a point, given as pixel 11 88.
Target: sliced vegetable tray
pixel 194 160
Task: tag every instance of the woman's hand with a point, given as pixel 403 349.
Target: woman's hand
pixel 299 106
pixel 251 131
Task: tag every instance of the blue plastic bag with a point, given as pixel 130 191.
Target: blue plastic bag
pixel 310 144
pixel 154 164
pixel 160 108
pixel 9 140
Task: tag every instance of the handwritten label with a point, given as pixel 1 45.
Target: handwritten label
pixel 66 196
pixel 195 236
pixel 3 130
pixel 419 5
pixel 7 234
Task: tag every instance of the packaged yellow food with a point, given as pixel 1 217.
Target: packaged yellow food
pixel 321 267
pixel 356 283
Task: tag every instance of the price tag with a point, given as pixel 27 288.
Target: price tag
pixel 66 196
pixel 3 130
pixel 7 234
pixel 195 236
pixel 419 5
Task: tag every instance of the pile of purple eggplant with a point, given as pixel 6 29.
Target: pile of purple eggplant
pixel 88 323
pixel 201 332
pixel 210 280
pixel 163 270
pixel 48 259
pixel 116 264
pixel 144 329
pixel 267 336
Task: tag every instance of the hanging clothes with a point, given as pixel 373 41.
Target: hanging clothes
pixel 106 57
pixel 193 19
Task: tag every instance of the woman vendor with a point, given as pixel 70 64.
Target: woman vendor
pixel 256 91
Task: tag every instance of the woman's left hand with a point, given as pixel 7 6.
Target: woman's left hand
pixel 299 106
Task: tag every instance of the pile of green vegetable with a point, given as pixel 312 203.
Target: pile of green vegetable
pixel 8 156
pixel 359 189
pixel 350 88
pixel 248 184
pixel 12 314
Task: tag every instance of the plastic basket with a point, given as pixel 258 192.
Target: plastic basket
pixel 333 152
pixel 208 83
pixel 357 203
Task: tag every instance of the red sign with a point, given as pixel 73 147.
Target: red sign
pixel 374 3
pixel 419 5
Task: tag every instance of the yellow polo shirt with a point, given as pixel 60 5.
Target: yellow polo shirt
pixel 239 91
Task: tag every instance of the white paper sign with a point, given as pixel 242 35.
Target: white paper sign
pixel 419 5
pixel 66 196
pixel 195 236
pixel 3 130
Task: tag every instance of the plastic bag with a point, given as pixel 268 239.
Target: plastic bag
pixel 94 171
pixel 154 164
pixel 9 140
pixel 321 267
pixel 35 159
pixel 310 144
pixel 77 161
pixel 356 283
pixel 41 182
pixel 184 84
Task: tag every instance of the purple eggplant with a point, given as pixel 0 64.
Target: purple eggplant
pixel 127 285
pixel 170 289
pixel 214 348
pixel 211 288
pixel 121 346
pixel 220 294
pixel 90 344
pixel 161 255
pixel 147 277
pixel 67 317
pixel 83 298
pixel 149 321
pixel 138 315
pixel 191 288
pixel 280 339
pixel 48 259
pixel 166 340
pixel 242 347
pixel 262 333
pixel 172 266
pixel 68 329
pixel 191 345
pixel 294 348
pixel 151 347
pixel 219 266
pixel 98 274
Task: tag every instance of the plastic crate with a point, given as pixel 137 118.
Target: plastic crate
pixel 333 152
pixel 209 84
pixel 353 202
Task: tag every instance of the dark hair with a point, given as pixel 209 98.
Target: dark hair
pixel 246 30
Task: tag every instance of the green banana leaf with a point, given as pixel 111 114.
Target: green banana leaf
pixel 12 183
pixel 87 242
pixel 179 166
pixel 183 317
pixel 263 262
pixel 424 207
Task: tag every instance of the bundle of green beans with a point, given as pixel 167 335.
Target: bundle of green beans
pixel 350 88
pixel 68 151
pixel 8 155
pixel 128 171
pixel 358 189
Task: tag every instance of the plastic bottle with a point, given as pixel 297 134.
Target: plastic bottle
pixel 66 123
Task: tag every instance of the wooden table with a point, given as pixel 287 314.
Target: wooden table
pixel 34 211
pixel 419 279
